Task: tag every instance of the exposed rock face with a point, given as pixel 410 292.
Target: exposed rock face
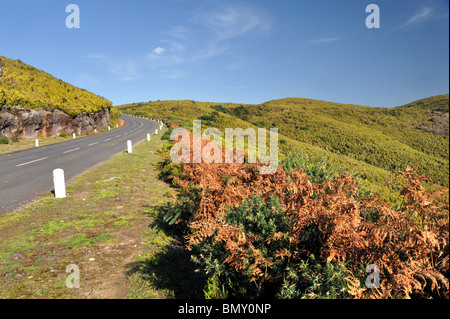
pixel 30 124
pixel 438 123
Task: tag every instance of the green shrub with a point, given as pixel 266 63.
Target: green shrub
pixel 220 108
pixel 63 135
pixel 169 171
pixel 181 213
pixel 15 138
pixel 215 290
pixel 210 118
pixel 114 115
pixel 241 112
pixel 166 135
pixel 315 167
pixel 4 140
pixel 284 278
pixel 260 124
pixel 312 280
pixel 256 218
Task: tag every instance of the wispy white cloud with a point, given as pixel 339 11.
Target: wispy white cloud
pixel 234 66
pixel 325 40
pixel 235 87
pixel 86 79
pixel 162 58
pixel 208 35
pixel 174 46
pixel 124 71
pixel 179 31
pixel 423 15
pixel 159 50
pixel 96 56
pixel 172 74
pixel 205 36
pixel 234 20
pixel 121 70
pixel 210 51
pixel 158 61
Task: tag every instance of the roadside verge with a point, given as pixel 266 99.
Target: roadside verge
pixel 107 226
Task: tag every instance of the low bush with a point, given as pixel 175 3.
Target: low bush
pixel 315 167
pixel 166 135
pixel 4 140
pixel 114 115
pixel 15 138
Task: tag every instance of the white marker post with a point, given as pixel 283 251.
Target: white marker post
pixel 156 131
pixel 59 183
pixel 74 136
pixel 148 137
pixel 130 147
pixel 37 143
pixel 109 128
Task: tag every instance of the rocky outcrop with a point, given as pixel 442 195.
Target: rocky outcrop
pixel 437 123
pixel 30 124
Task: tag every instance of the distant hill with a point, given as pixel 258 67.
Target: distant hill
pixel 371 143
pixel 25 85
pixel 435 103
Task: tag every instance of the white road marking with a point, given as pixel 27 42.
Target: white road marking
pixel 75 149
pixel 41 159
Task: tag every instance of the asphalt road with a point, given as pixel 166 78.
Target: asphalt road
pixel 26 175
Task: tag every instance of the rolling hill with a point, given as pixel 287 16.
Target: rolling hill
pixel 370 143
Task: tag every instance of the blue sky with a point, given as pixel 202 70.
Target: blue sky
pixel 236 51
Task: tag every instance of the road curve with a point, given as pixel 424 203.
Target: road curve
pixel 26 175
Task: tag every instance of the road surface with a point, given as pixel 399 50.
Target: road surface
pixel 26 175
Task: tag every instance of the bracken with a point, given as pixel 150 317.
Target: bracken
pixel 409 245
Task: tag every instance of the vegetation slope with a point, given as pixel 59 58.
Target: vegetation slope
pixel 369 143
pixel 305 232
pixel 25 85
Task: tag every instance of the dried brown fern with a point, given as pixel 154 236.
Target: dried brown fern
pixel 409 245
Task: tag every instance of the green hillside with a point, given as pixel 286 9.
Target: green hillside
pixel 22 84
pixel 370 143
